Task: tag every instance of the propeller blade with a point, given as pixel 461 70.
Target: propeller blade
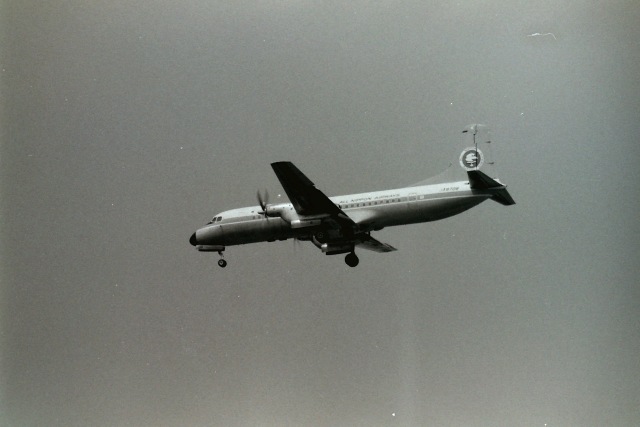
pixel 259 197
pixel 263 200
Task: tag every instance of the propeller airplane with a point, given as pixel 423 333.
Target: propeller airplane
pixel 337 225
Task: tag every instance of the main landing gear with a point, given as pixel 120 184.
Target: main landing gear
pixel 222 262
pixel 351 259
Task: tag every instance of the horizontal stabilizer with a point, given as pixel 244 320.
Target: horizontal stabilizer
pixel 503 197
pixel 481 181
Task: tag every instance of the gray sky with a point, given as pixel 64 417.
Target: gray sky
pixel 127 125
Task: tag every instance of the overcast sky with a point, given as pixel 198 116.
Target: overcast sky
pixel 126 125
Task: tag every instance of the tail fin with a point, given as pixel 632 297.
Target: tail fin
pixel 480 181
pixel 477 155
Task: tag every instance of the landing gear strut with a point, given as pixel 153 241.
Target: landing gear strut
pixel 351 259
pixel 222 262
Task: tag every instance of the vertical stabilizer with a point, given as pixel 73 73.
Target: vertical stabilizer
pixel 473 153
pixel 477 159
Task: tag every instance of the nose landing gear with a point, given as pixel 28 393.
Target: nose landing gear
pixel 351 259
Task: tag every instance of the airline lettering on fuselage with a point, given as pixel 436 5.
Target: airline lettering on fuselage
pixel 368 199
pixel 387 196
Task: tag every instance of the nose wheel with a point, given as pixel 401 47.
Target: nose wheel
pixel 351 259
pixel 222 262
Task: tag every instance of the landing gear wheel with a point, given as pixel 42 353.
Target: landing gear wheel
pixel 351 259
pixel 222 263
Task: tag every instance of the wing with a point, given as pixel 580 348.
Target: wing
pixel 308 200
pixel 368 242
pixel 305 197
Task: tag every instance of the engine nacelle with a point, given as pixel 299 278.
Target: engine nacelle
pixel 303 223
pixel 273 210
pixel 336 248
pixel 287 213
pixel 210 248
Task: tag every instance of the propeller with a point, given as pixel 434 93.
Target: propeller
pixel 263 200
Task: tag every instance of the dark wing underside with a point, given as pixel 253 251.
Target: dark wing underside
pixel 305 197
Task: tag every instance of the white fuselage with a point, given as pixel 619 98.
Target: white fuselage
pixel 370 211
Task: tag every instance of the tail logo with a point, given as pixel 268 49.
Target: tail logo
pixel 471 159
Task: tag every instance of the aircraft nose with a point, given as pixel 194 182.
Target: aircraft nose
pixel 193 239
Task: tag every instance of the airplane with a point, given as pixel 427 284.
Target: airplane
pixel 337 225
